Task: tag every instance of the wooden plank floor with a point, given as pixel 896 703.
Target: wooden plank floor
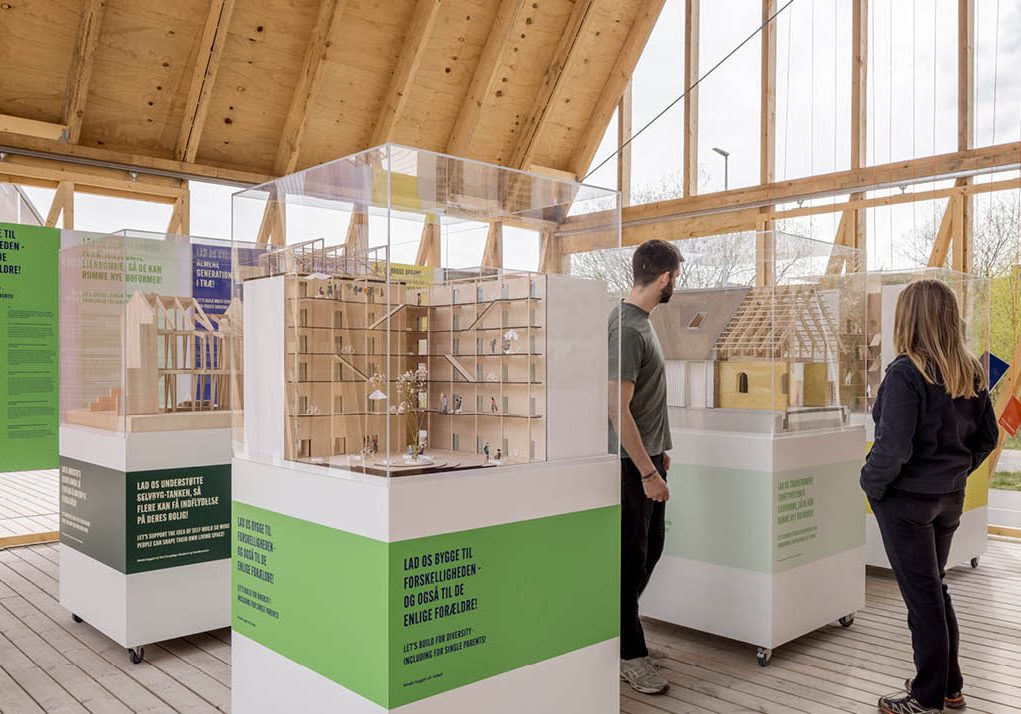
pixel 50 664
pixel 29 503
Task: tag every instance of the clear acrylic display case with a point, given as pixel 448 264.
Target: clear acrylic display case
pixel 378 343
pixel 149 331
pixel 884 287
pixel 764 332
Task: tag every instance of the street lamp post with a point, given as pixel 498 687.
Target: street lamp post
pixel 726 161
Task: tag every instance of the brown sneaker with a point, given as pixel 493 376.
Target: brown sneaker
pixel 951 701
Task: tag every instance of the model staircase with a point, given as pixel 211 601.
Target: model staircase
pixel 109 403
pixel 461 369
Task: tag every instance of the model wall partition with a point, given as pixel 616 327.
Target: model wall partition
pixel 426 512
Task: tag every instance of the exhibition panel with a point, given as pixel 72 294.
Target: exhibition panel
pixel 150 339
pixel 425 509
pixel 764 353
pixel 973 293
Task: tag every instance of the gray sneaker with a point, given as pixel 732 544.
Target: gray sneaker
pixel 642 676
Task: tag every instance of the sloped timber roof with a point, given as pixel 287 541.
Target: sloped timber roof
pixel 252 89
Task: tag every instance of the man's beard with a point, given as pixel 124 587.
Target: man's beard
pixel 666 293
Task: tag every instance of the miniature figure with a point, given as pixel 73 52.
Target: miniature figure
pixel 485 450
pixel 492 405
pixel 457 403
pixel 443 402
pixel 492 345
pixel 499 455
pixel 375 444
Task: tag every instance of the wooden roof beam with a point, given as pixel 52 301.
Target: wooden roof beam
pixel 203 78
pixel 81 68
pixel 613 90
pixel 31 127
pixel 546 97
pixel 289 149
pixel 415 41
pixel 484 78
pixel 1002 157
pixel 87 179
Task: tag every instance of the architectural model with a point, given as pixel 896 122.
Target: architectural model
pixel 178 363
pixel 772 348
pixel 433 370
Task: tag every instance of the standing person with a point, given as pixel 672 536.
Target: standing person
pixel 638 413
pixel 934 426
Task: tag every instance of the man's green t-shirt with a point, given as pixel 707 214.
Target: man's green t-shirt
pixel 635 348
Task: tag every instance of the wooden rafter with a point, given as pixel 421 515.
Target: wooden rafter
pixel 289 148
pixel 81 68
pixel 691 32
pixel 492 255
pixel 31 127
pixel 620 77
pixel 546 98
pixel 484 77
pixel 356 245
pixel 203 78
pixel 180 218
pixel 63 203
pixel 841 239
pixel 549 253
pixel 413 50
pixel 429 244
pixel 941 246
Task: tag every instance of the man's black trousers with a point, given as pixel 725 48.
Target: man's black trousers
pixel 642 530
pixel 917 531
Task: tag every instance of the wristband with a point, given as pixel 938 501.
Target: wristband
pixel 646 477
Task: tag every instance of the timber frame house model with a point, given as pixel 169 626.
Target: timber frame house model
pixel 181 368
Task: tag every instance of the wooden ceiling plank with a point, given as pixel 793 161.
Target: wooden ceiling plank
pixel 619 78
pixel 547 94
pixel 415 41
pixel 81 68
pixel 484 78
pixel 207 65
pixel 308 84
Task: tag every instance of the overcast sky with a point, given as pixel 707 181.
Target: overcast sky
pixel 912 94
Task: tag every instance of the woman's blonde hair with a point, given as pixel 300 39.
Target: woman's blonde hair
pixel 927 328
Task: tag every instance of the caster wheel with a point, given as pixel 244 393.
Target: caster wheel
pixel 136 655
pixel 846 620
pixel 974 562
pixel 76 618
pixel 764 656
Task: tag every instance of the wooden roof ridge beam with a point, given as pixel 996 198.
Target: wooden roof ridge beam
pixel 203 78
pixel 484 77
pixel 293 134
pixel 415 41
pixel 620 77
pixel 551 86
pixel 81 68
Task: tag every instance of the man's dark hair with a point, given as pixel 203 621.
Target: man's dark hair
pixel 652 259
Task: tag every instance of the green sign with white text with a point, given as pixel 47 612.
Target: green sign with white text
pixel 28 347
pixel 404 621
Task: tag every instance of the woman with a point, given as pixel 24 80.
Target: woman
pixel 934 426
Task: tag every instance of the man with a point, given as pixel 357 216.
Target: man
pixel 638 412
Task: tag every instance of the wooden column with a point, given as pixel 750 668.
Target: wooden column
pixel 859 114
pixel 961 258
pixel 357 243
pixel 765 242
pixel 691 28
pixel 624 157
pixel 429 244
pixel 63 205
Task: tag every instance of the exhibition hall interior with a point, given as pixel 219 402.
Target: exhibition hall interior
pixel 502 356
